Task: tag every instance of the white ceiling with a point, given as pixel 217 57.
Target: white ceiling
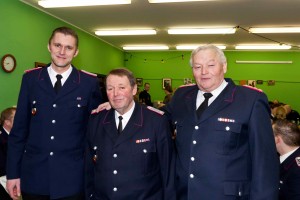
pixel 227 13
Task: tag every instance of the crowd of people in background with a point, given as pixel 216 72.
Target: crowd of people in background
pixel 281 110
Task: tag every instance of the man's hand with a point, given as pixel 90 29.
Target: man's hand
pixel 13 188
pixel 101 107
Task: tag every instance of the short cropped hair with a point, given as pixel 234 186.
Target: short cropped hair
pixel 217 50
pixel 124 72
pixel 288 131
pixel 6 114
pixel 66 31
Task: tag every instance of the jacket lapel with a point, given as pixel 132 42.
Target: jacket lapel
pixel 133 126
pixel 71 83
pixel 44 82
pixel 224 99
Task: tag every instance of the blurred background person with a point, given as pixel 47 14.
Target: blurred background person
pixel 6 122
pixel 169 93
pixel 144 96
pixel 287 139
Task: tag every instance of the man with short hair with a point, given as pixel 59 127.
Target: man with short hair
pixel 46 145
pixel 130 153
pixel 287 139
pixel 224 139
pixel 144 96
pixel 6 124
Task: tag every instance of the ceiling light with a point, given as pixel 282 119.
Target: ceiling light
pixel 202 31
pixel 150 47
pixel 262 47
pixel 125 32
pixel 192 47
pixel 172 1
pixel 263 62
pixel 74 3
pixel 275 30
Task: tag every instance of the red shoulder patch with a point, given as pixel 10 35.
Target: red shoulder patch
pixel 253 88
pixel 156 110
pixel 187 85
pixel 33 69
pixel 89 73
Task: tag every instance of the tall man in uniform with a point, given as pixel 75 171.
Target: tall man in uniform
pixel 46 145
pixel 225 147
pixel 130 152
pixel 287 139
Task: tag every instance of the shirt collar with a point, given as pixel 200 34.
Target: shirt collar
pixel 125 116
pixel 285 156
pixel 53 74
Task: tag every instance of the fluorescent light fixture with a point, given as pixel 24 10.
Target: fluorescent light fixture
pixel 275 30
pixel 147 47
pixel 263 62
pixel 262 47
pixel 75 3
pixel 172 1
pixel 202 31
pixel 192 47
pixel 126 32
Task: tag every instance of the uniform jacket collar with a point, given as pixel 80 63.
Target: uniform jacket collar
pixel 134 124
pixel 71 83
pixel 289 161
pixel 225 98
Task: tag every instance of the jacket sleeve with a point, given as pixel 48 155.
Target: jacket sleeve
pixel 166 156
pixel 19 132
pixel 265 162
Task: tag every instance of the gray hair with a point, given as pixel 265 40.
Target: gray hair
pixel 217 50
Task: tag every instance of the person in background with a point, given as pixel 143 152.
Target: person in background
pixel 169 92
pixel 224 139
pixel 287 139
pixel 292 115
pixel 130 152
pixel 6 124
pixel 47 142
pixel 144 96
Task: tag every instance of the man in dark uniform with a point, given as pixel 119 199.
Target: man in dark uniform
pixel 130 152
pixel 287 139
pixel 227 152
pixel 46 145
pixel 6 124
pixel 144 96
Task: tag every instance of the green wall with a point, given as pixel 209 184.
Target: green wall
pixel 25 32
pixel 153 66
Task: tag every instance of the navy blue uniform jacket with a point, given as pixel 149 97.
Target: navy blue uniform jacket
pixel 290 177
pixel 47 142
pixel 3 151
pixel 137 165
pixel 229 153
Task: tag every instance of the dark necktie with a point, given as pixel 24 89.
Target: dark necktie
pixel 204 104
pixel 120 127
pixel 57 84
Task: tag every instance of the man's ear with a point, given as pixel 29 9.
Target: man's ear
pixel 76 53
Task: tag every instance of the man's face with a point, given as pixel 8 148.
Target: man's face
pixel 147 87
pixel 62 49
pixel 208 70
pixel 8 123
pixel 120 93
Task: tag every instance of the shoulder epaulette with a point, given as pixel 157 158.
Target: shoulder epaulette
pixel 187 85
pixel 156 110
pixel 253 88
pixel 89 73
pixel 298 161
pixel 33 69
